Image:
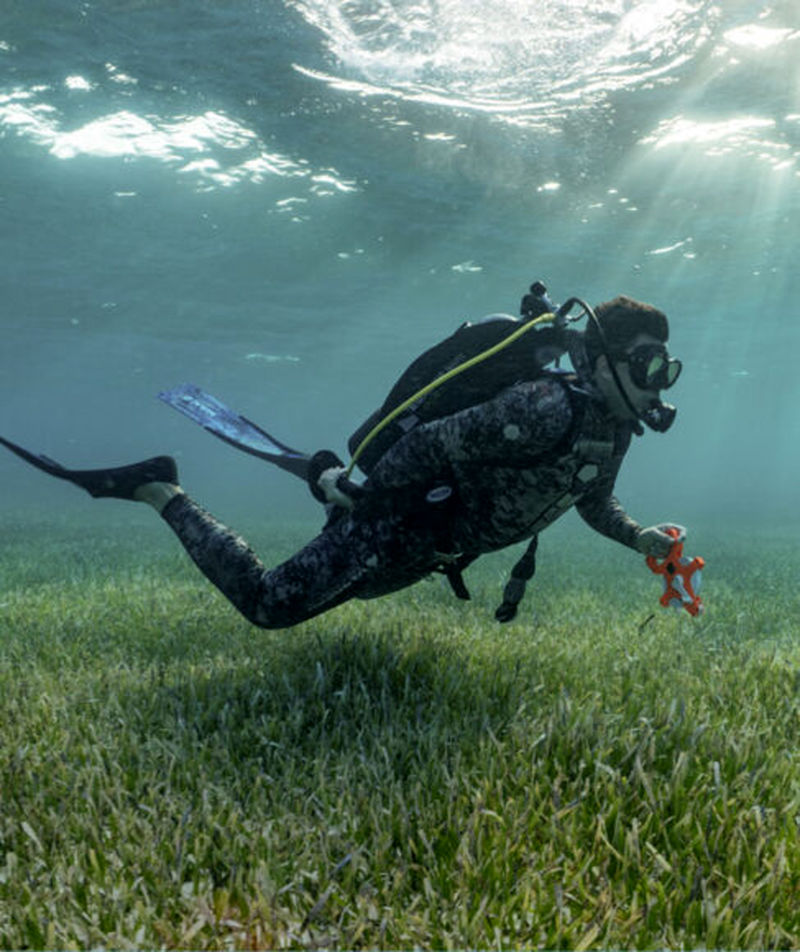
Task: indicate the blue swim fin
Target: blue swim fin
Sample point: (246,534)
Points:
(214,416)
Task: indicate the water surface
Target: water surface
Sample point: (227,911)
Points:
(285,201)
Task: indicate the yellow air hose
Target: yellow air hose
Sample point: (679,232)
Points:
(434,384)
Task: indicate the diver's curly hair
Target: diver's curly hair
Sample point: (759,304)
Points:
(621,320)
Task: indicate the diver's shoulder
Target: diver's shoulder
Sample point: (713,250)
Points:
(538,399)
(551,387)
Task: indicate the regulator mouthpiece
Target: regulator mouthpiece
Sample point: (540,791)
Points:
(659,416)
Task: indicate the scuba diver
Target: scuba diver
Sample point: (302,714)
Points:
(510,446)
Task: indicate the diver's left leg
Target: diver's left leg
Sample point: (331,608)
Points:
(323,574)
(350,558)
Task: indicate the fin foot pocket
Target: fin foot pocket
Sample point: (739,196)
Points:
(119,482)
(319,462)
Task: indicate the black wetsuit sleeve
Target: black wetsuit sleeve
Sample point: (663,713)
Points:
(515,428)
(600,509)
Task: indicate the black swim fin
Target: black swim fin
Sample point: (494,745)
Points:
(214,416)
(116,483)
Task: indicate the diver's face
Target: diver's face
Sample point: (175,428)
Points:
(644,362)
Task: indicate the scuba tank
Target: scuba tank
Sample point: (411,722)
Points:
(522,359)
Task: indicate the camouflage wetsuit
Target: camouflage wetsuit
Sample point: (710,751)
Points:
(514,465)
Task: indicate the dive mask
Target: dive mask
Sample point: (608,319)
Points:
(651,367)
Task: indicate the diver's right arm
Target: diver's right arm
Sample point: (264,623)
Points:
(515,428)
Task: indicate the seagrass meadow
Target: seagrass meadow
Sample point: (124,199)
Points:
(399,773)
(285,203)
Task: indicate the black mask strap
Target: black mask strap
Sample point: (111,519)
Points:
(615,376)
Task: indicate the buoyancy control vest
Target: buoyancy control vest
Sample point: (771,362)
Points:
(567,472)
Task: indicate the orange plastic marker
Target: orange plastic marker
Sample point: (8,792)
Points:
(681,575)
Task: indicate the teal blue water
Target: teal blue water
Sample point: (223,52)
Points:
(285,201)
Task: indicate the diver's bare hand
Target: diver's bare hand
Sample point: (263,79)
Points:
(656,541)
